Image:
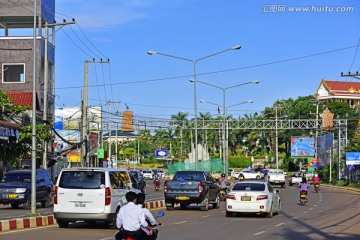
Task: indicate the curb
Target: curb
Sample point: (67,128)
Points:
(23,223)
(351,189)
(41,221)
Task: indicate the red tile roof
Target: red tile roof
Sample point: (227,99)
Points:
(342,88)
(23,98)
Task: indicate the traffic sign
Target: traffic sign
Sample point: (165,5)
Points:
(314,165)
(315,160)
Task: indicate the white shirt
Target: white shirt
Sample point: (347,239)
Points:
(149,216)
(131,217)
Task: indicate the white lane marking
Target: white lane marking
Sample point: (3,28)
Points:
(181,222)
(206,216)
(255,234)
(315,205)
(294,218)
(278,225)
(311,209)
(27,229)
(108,238)
(305,212)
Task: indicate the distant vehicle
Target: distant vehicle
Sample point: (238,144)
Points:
(148,174)
(309,176)
(276,177)
(15,188)
(192,187)
(249,174)
(295,179)
(160,173)
(253,197)
(140,180)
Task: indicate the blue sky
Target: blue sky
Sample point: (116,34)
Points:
(303,47)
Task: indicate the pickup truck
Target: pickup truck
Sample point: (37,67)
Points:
(192,187)
(276,177)
(295,179)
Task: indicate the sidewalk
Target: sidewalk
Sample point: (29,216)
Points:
(40,221)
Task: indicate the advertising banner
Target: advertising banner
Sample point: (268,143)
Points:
(302,146)
(352,158)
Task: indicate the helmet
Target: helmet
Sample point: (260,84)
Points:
(316,175)
(223,175)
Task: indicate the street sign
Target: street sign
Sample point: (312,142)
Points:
(161,153)
(314,160)
(314,165)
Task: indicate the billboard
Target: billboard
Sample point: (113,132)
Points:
(352,158)
(69,118)
(325,143)
(302,146)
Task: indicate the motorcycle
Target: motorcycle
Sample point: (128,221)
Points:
(303,197)
(155,231)
(222,194)
(317,187)
(157,185)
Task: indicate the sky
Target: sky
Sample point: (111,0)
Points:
(289,52)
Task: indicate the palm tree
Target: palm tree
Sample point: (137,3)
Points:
(179,118)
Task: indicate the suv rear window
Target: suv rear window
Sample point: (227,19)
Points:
(82,179)
(17,177)
(249,187)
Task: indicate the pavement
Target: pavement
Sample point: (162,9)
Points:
(40,221)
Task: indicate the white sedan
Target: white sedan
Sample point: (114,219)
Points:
(253,197)
(248,174)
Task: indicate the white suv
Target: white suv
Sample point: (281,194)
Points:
(148,174)
(91,194)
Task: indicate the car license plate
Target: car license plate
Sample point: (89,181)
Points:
(182,198)
(12,195)
(245,198)
(276,181)
(80,204)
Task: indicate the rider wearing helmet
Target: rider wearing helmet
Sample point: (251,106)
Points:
(316,179)
(156,181)
(304,186)
(222,182)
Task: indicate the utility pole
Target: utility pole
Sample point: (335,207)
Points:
(353,75)
(116,103)
(84,131)
(46,78)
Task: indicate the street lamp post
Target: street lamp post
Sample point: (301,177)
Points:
(225,154)
(194,62)
(225,141)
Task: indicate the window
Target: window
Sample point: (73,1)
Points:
(119,180)
(82,179)
(249,187)
(13,73)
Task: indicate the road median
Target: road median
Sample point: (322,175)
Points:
(41,221)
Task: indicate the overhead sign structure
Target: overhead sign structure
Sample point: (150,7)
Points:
(161,153)
(352,158)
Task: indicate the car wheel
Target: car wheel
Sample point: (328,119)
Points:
(257,177)
(63,223)
(290,184)
(270,214)
(27,204)
(14,205)
(144,191)
(46,203)
(228,214)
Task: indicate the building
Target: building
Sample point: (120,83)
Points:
(339,91)
(16,51)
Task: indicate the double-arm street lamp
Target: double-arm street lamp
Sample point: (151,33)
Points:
(194,62)
(224,113)
(226,130)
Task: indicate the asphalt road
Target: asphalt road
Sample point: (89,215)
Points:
(330,214)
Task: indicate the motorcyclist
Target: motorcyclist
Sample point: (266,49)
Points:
(304,186)
(316,180)
(156,181)
(222,182)
(148,215)
(131,220)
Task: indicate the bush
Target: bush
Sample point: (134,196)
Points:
(239,162)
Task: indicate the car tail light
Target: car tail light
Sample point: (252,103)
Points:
(262,197)
(55,195)
(107,196)
(165,187)
(231,197)
(268,177)
(200,188)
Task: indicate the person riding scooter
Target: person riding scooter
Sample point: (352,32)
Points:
(157,185)
(304,186)
(222,182)
(316,181)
